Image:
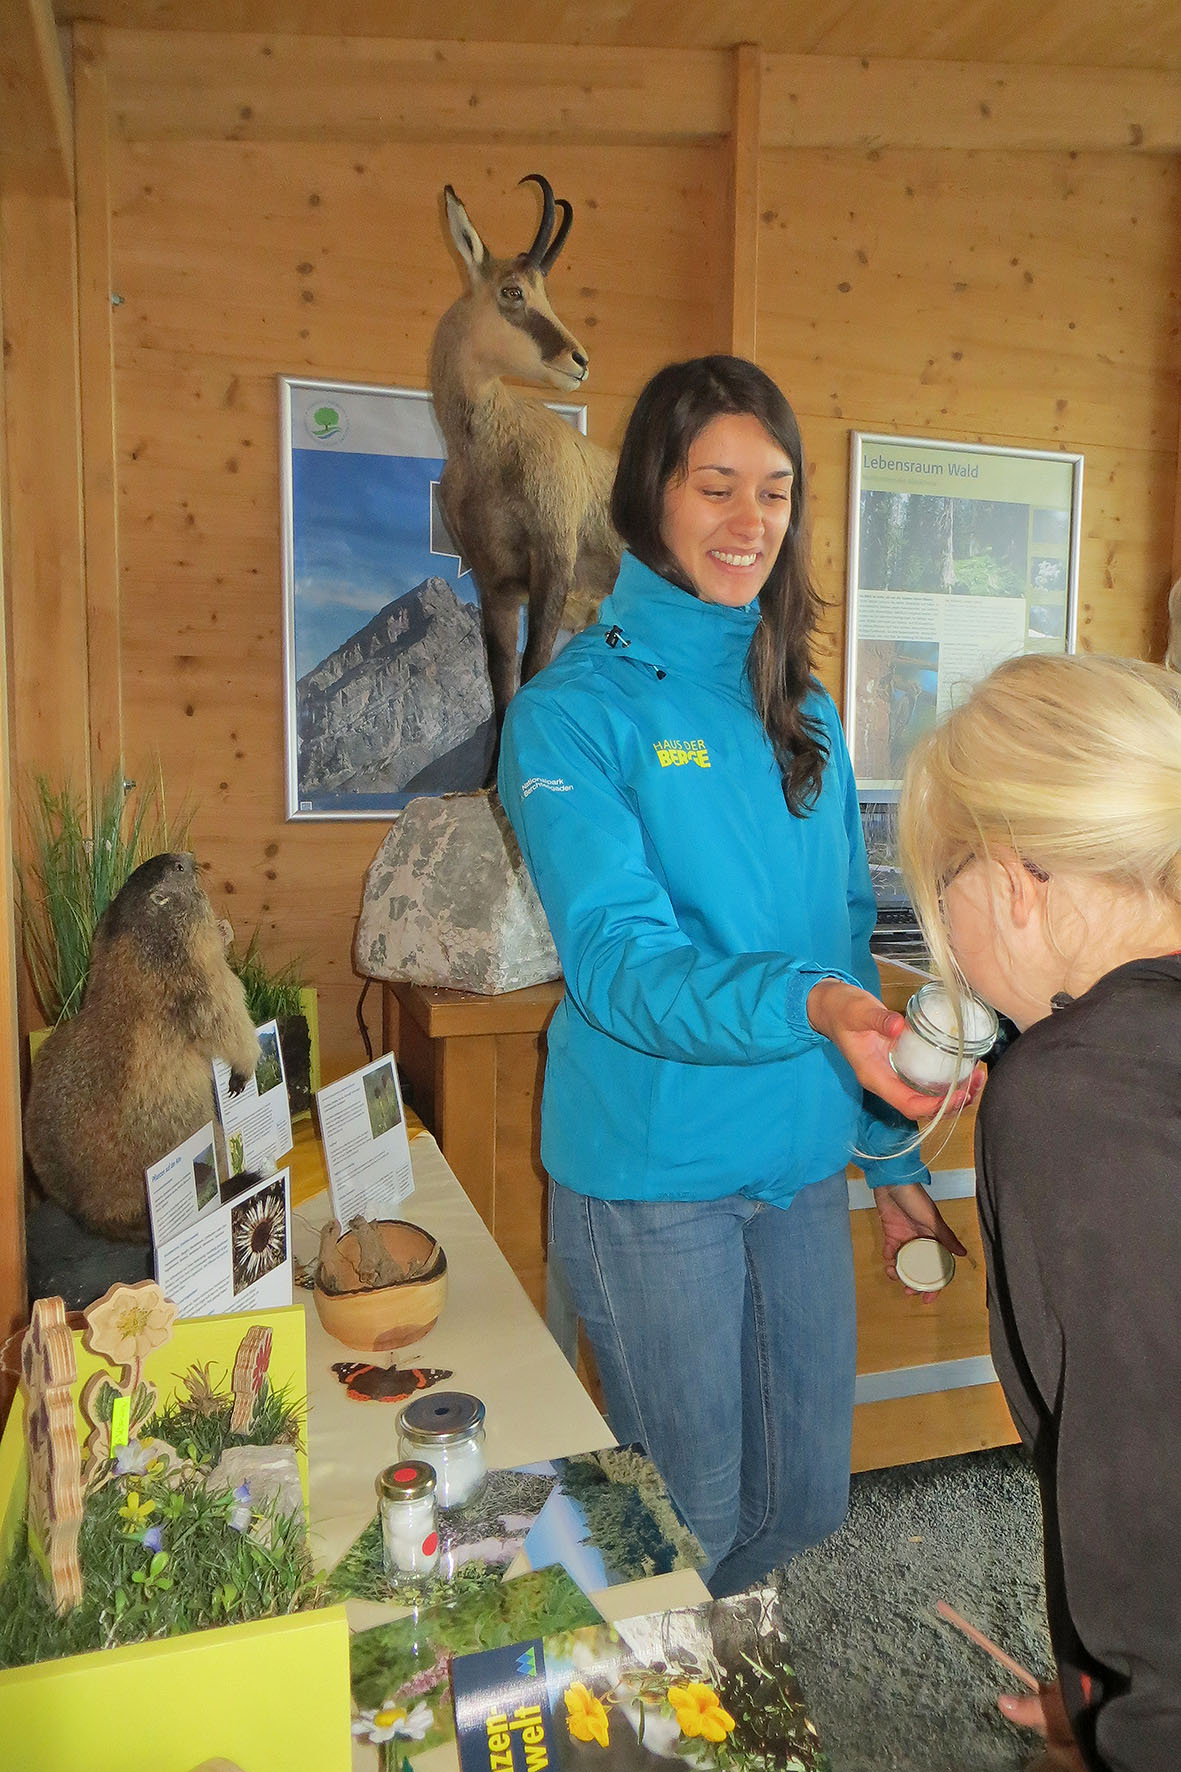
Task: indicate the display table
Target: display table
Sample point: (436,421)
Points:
(474,1065)
(496,1347)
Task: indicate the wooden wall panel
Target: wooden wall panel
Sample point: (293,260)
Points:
(238,261)
(1018,299)
(43,543)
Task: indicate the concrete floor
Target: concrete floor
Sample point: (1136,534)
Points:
(891,1687)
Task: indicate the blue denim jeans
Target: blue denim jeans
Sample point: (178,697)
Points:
(725,1336)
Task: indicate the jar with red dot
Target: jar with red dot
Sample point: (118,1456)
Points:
(409,1520)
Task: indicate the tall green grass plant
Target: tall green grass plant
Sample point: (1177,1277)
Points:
(76,858)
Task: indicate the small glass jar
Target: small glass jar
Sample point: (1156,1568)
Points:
(927,1054)
(409,1520)
(447,1431)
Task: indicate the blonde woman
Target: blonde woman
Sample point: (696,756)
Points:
(1041,834)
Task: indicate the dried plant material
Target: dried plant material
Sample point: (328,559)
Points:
(203,1396)
(375,1266)
(372,1266)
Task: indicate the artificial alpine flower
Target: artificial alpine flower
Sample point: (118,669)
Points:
(135,1511)
(138,1458)
(390,1720)
(153,1538)
(586,1716)
(699,1712)
(129,1321)
(240,1514)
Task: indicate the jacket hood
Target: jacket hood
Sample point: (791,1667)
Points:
(668,628)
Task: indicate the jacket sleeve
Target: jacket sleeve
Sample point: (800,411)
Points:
(883,1134)
(629,967)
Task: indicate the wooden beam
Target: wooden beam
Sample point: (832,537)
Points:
(170,85)
(12,1176)
(818,101)
(36,136)
(97,400)
(745,155)
(177,85)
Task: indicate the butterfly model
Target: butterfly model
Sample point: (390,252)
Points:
(385,1384)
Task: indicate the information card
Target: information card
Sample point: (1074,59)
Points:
(365,1142)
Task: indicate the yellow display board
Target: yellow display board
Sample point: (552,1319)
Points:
(269,1694)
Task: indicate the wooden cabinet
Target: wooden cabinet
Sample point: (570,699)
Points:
(473,1068)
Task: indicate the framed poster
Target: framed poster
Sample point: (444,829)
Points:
(386,686)
(960,555)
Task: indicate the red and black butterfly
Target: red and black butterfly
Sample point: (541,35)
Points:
(385,1384)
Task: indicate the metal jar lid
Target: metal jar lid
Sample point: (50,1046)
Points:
(442,1419)
(407,1481)
(930,1013)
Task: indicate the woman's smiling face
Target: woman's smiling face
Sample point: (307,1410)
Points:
(725,519)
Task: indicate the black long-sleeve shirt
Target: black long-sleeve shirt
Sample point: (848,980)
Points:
(1078,1158)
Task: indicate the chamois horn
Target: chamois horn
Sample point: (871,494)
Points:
(559,240)
(532,259)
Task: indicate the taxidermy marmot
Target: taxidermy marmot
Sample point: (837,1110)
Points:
(128,1079)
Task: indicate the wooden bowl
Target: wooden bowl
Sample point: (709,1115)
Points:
(390,1316)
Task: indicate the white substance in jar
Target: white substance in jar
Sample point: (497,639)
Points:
(446,1431)
(409,1520)
(926,1054)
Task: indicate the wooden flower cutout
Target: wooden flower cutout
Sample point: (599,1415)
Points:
(130,1322)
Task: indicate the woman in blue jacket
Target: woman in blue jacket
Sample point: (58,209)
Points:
(687,810)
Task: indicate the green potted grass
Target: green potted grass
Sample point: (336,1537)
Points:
(76,858)
(280,996)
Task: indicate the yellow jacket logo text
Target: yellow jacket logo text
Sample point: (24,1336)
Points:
(678,751)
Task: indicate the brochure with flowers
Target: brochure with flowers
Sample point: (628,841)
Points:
(399,1670)
(708,1686)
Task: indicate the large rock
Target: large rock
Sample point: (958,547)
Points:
(448,902)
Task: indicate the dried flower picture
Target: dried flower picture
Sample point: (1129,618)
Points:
(258,1236)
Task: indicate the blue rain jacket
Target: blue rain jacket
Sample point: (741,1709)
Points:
(692,914)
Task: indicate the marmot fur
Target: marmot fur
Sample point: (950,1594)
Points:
(128,1079)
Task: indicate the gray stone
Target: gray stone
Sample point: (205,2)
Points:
(448,902)
(271,1473)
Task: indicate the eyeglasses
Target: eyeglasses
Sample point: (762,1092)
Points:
(1031,867)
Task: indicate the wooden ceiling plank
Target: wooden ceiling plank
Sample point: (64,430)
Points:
(812,101)
(36,134)
(1146,33)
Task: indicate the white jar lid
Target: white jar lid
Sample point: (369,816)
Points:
(925,1265)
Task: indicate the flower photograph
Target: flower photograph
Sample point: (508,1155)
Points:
(258,1236)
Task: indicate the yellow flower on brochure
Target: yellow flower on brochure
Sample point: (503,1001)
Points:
(587,1716)
(699,1712)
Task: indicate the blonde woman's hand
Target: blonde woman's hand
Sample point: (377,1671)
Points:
(863,1030)
(908,1211)
(1045,1711)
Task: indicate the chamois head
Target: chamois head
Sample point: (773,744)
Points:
(511,328)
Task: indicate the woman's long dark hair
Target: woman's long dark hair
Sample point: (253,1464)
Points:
(672,411)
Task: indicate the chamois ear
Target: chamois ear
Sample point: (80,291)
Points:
(468,243)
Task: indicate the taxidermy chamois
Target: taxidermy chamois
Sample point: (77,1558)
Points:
(526,496)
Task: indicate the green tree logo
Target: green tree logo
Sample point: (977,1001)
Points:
(325,422)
